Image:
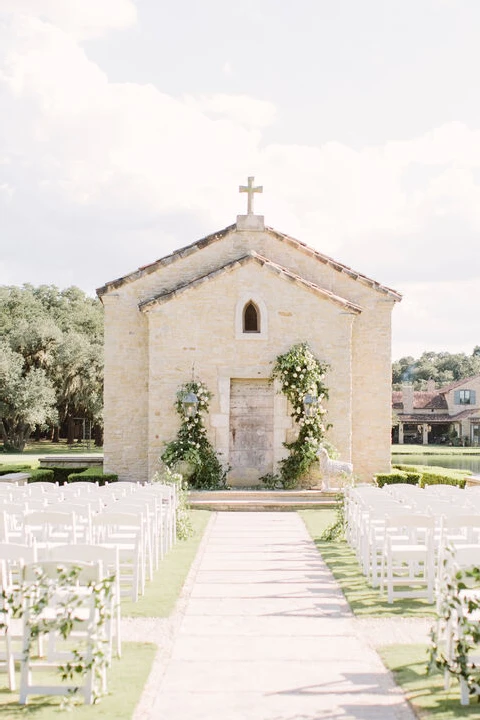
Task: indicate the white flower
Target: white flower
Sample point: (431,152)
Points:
(297,369)
(286,384)
(294,374)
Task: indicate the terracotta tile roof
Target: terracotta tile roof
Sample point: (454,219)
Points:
(151,267)
(458,383)
(424,418)
(432,419)
(209,239)
(422,400)
(249,257)
(336,265)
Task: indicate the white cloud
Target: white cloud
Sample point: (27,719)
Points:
(240,109)
(80,18)
(441,318)
(109,164)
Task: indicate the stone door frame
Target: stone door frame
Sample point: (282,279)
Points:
(282,422)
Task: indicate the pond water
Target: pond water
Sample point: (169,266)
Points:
(462,462)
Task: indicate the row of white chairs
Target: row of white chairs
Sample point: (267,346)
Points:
(456,619)
(140,520)
(397,534)
(126,527)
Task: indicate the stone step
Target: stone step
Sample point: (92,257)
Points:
(260,500)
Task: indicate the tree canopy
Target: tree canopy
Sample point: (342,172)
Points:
(51,359)
(442,367)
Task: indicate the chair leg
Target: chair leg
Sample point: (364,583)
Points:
(464,692)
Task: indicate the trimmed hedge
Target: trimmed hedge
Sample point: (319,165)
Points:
(437,479)
(41,475)
(93,474)
(435,475)
(397,476)
(436,469)
(60,474)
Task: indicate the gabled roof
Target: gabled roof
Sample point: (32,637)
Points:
(214,237)
(336,265)
(251,256)
(458,383)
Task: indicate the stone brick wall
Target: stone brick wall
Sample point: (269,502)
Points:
(150,353)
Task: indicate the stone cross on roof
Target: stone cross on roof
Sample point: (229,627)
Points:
(250,190)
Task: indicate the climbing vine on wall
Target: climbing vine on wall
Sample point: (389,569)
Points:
(191,445)
(300,373)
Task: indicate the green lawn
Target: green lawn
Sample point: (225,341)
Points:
(163,591)
(126,679)
(35,450)
(432,450)
(408,664)
(364,600)
(128,675)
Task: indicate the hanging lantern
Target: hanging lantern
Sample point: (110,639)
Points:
(190,404)
(310,404)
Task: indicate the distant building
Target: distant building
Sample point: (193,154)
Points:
(449,415)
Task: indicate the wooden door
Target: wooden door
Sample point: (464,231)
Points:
(251,430)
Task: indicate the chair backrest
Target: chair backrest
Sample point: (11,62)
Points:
(89,572)
(117,522)
(414,525)
(108,556)
(42,486)
(46,524)
(84,486)
(18,552)
(13,558)
(439,489)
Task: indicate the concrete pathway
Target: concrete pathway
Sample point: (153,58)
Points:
(266,634)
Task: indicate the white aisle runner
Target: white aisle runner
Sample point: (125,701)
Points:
(268,635)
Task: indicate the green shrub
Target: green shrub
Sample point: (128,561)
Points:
(446,472)
(439,479)
(41,475)
(413,473)
(92,474)
(391,478)
(7,469)
(60,474)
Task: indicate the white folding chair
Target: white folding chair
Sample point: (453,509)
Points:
(7,657)
(408,561)
(460,558)
(50,526)
(124,531)
(86,627)
(109,557)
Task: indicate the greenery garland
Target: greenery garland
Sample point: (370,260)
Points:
(300,373)
(37,595)
(452,604)
(182,513)
(192,445)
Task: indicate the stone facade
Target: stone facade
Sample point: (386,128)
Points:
(186,310)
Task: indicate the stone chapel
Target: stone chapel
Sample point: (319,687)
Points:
(224,307)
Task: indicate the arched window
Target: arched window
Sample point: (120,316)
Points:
(251,319)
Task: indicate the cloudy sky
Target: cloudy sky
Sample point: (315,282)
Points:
(126,127)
